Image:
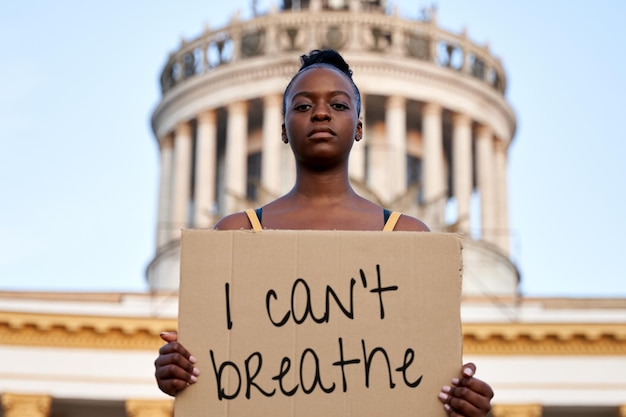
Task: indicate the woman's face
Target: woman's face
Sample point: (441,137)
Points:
(321,120)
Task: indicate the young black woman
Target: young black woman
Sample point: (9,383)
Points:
(321,108)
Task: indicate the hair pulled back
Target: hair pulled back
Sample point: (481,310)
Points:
(328,58)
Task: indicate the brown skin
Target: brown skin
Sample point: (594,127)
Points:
(321,125)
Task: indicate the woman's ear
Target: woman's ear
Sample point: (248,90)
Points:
(284,134)
(359,131)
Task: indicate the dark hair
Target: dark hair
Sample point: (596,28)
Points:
(328,58)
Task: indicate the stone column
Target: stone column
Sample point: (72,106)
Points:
(271,43)
(465,67)
(235,38)
(395,125)
(272,144)
(206,168)
(516,410)
(205,55)
(502,198)
(236,156)
(485,167)
(313,30)
(398,44)
(433,50)
(288,168)
(357,155)
(181,180)
(355,33)
(433,174)
(149,408)
(462,169)
(165,191)
(25,405)
(315,5)
(376,175)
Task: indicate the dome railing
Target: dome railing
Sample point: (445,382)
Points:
(295,32)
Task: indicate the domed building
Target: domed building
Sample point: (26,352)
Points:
(436,121)
(437,132)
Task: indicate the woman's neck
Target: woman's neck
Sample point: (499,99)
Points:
(329,187)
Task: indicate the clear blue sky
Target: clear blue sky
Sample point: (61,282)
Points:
(78,162)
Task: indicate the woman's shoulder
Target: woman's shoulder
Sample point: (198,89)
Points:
(240,221)
(235,221)
(408,223)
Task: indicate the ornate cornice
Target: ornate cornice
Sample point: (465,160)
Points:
(213,89)
(544,339)
(199,93)
(90,332)
(418,73)
(97,332)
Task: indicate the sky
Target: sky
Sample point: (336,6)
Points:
(79,162)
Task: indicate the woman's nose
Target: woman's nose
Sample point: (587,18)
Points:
(321,112)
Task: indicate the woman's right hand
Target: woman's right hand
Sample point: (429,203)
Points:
(175,367)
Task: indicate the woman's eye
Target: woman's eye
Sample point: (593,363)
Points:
(340,106)
(301,107)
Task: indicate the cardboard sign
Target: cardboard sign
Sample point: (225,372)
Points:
(319,323)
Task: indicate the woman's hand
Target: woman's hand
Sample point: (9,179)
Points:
(174,368)
(467,396)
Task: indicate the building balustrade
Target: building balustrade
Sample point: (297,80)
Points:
(297,31)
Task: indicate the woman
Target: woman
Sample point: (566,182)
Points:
(321,107)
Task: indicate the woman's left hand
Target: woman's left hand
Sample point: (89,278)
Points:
(467,396)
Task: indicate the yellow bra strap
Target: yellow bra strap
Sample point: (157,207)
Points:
(254,220)
(391,221)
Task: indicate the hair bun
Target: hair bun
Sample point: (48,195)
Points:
(327,57)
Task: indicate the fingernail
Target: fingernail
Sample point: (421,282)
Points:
(192,359)
(446,389)
(446,407)
(443,397)
(195,372)
(455,381)
(193,379)
(468,372)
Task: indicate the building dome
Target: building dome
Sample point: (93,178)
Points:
(437,127)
